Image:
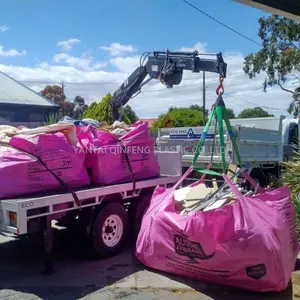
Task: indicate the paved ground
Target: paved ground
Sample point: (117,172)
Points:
(80,276)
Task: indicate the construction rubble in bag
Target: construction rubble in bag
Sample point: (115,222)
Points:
(119,153)
(40,159)
(224,235)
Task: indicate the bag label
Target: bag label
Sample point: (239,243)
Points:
(185,247)
(256,272)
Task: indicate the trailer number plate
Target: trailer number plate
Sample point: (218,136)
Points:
(34,204)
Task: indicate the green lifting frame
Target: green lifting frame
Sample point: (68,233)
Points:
(218,112)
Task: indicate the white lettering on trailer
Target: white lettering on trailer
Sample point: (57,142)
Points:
(33,204)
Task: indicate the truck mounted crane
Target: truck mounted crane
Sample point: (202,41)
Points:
(167,67)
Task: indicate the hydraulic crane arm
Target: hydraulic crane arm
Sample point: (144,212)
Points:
(167,67)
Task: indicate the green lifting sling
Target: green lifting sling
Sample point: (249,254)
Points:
(218,112)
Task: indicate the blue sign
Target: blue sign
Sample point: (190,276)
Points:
(188,134)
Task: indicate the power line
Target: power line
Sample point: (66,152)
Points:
(233,30)
(119,83)
(114,83)
(65,82)
(187,85)
(196,86)
(253,103)
(249,102)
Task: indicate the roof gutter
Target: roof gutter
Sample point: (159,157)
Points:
(270,9)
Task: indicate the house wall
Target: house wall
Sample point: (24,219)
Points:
(23,113)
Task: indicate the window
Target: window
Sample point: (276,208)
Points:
(34,117)
(5,116)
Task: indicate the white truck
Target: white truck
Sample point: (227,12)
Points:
(263,143)
(106,213)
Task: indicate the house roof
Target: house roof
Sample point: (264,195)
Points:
(149,121)
(286,8)
(14,93)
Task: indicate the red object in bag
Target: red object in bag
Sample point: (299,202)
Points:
(250,244)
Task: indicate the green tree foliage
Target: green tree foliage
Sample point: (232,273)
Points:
(129,115)
(198,107)
(279,56)
(102,111)
(54,93)
(230,112)
(73,109)
(256,112)
(180,117)
(291,177)
(185,117)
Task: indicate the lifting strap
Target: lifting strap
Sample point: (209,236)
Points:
(62,183)
(220,113)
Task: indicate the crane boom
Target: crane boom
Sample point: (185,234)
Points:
(168,68)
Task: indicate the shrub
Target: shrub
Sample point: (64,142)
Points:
(291,177)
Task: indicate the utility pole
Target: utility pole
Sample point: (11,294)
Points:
(204,94)
(62,95)
(63,87)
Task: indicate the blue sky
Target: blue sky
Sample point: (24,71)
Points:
(30,49)
(37,26)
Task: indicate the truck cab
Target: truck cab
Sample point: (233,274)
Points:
(290,137)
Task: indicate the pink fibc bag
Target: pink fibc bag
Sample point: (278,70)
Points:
(111,160)
(21,173)
(250,244)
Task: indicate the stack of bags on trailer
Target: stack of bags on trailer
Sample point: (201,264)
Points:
(119,153)
(36,160)
(51,158)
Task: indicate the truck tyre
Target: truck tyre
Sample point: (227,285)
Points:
(110,230)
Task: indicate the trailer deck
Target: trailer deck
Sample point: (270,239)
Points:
(16,213)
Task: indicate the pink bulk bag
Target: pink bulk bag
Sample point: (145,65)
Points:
(21,173)
(249,244)
(111,160)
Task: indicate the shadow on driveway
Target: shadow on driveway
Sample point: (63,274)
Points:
(78,273)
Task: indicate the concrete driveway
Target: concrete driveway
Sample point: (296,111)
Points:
(81,276)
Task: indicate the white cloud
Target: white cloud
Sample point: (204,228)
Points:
(82,63)
(125,64)
(11,52)
(77,62)
(4,28)
(92,82)
(116,49)
(67,45)
(99,65)
(200,47)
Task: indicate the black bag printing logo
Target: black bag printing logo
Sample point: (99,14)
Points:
(257,271)
(183,246)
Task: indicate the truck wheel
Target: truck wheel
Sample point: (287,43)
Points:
(110,230)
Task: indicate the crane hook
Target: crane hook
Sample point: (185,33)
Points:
(220,88)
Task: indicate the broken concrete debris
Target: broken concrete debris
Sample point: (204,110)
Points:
(199,197)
